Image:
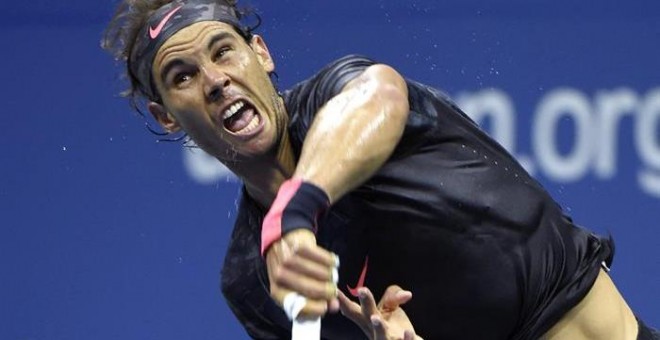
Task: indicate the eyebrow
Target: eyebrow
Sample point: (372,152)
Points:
(218,37)
(176,62)
(170,65)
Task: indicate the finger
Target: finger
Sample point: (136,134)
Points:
(353,312)
(314,309)
(393,297)
(333,305)
(349,308)
(319,255)
(298,307)
(309,268)
(379,328)
(408,335)
(367,303)
(308,287)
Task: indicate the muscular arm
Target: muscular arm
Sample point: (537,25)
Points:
(350,138)
(355,132)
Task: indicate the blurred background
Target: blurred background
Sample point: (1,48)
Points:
(108,234)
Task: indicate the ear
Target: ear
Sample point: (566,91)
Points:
(166,119)
(259,47)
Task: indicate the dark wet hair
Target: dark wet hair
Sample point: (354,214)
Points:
(130,18)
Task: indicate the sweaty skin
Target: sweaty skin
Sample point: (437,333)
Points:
(365,122)
(208,76)
(355,132)
(194,65)
(205,68)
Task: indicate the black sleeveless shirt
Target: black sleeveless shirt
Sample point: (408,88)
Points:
(451,216)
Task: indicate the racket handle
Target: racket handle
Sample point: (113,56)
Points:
(306,329)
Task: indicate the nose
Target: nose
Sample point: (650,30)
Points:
(215,83)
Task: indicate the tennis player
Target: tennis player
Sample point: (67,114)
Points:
(357,177)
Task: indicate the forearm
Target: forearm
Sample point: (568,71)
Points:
(355,133)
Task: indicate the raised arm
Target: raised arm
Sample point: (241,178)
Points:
(355,132)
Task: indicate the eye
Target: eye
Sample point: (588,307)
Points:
(182,77)
(220,53)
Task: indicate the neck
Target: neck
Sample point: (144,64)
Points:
(262,185)
(263,175)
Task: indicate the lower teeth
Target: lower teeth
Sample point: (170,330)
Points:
(253,124)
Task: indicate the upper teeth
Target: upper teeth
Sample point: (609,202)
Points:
(233,109)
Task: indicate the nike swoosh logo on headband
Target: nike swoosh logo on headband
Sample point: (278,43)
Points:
(360,283)
(154,32)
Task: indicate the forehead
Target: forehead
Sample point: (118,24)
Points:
(193,38)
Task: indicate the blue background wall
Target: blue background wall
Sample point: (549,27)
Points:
(106,234)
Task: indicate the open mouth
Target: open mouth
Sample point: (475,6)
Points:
(241,118)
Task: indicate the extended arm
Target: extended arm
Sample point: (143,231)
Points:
(350,138)
(355,132)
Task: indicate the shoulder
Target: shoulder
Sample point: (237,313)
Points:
(329,80)
(304,99)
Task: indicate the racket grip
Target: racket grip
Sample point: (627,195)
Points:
(306,329)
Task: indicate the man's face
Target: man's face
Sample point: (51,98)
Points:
(216,88)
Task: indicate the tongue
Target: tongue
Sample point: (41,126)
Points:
(240,120)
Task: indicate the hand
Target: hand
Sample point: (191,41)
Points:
(385,321)
(296,264)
